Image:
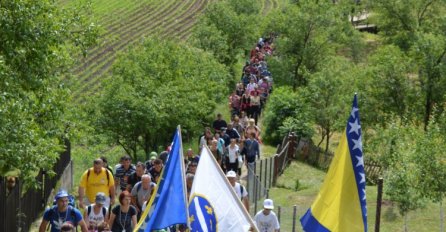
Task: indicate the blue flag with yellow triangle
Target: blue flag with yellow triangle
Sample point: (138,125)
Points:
(341,203)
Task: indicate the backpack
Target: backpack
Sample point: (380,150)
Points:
(72,214)
(106,171)
(104,211)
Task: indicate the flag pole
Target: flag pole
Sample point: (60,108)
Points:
(232,191)
(183,175)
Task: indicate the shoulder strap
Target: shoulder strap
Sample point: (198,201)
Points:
(104,211)
(88,210)
(88,174)
(108,177)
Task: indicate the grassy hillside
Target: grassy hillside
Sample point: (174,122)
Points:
(126,22)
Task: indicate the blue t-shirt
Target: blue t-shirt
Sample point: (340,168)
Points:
(57,219)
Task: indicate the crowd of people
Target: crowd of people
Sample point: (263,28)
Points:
(234,145)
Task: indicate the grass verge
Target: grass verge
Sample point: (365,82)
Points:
(300,184)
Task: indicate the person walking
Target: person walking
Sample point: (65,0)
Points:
(94,180)
(141,192)
(123,172)
(123,216)
(251,151)
(95,214)
(239,189)
(60,214)
(266,219)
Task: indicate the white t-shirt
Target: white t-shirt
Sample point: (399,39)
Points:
(96,219)
(238,191)
(232,153)
(266,223)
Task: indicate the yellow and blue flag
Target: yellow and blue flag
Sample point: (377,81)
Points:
(341,203)
(168,206)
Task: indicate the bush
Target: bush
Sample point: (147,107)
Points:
(286,111)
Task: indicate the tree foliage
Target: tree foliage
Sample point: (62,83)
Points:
(286,111)
(309,33)
(388,88)
(227,29)
(328,94)
(37,40)
(418,28)
(155,87)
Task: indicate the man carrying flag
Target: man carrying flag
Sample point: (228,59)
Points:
(168,206)
(213,205)
(341,203)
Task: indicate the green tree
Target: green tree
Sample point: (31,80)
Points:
(396,146)
(155,87)
(286,111)
(431,161)
(227,29)
(388,88)
(37,41)
(328,98)
(310,32)
(417,27)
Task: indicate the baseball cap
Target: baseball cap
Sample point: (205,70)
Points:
(60,194)
(100,198)
(231,174)
(268,204)
(153,154)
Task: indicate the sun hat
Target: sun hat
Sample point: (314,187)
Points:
(268,204)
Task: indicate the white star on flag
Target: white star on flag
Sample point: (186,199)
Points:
(362,178)
(354,127)
(360,161)
(354,109)
(358,143)
(363,190)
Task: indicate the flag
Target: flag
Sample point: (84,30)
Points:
(168,206)
(341,202)
(213,203)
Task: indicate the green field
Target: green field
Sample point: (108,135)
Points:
(124,23)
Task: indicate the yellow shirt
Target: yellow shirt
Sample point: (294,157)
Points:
(96,183)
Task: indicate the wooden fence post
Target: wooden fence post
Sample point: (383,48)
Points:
(294,217)
(378,204)
(276,167)
(266,174)
(271,159)
(261,169)
(291,145)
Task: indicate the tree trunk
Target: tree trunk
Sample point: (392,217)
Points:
(322,139)
(441,217)
(428,104)
(405,222)
(327,144)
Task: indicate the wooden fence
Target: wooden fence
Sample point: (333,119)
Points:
(19,209)
(310,153)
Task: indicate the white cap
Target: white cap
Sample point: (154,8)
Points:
(231,174)
(268,204)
